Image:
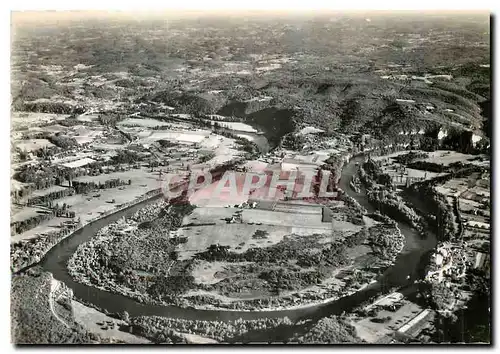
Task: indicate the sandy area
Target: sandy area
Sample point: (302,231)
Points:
(410,172)
(87,117)
(310,130)
(255,165)
(84,139)
(246,136)
(389,156)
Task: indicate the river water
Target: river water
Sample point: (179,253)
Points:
(407,263)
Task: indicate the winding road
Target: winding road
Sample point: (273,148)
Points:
(53,296)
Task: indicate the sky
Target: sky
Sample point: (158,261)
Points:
(254,4)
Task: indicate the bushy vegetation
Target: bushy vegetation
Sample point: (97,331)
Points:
(63,141)
(330,330)
(409,157)
(171,286)
(126,156)
(271,263)
(205,158)
(41,176)
(47,107)
(53,211)
(141,260)
(27,252)
(187,102)
(287,249)
(84,187)
(293,142)
(381,194)
(386,241)
(32,319)
(48,198)
(161,329)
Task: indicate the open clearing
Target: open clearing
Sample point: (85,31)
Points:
(446,157)
(284,219)
(45,227)
(33,144)
(25,213)
(89,317)
(146,122)
(242,127)
(206,226)
(21,120)
(90,206)
(219,195)
(372,331)
(237,236)
(212,272)
(207,215)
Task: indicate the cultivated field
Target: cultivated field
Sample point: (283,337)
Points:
(33,144)
(445,157)
(284,219)
(237,236)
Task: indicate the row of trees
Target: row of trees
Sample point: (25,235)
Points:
(85,187)
(384,197)
(63,141)
(47,107)
(125,156)
(156,327)
(25,253)
(330,330)
(46,199)
(283,279)
(165,288)
(32,222)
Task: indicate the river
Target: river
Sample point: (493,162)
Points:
(407,263)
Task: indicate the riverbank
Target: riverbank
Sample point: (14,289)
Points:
(43,245)
(104,326)
(88,272)
(162,330)
(115,303)
(87,267)
(381,192)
